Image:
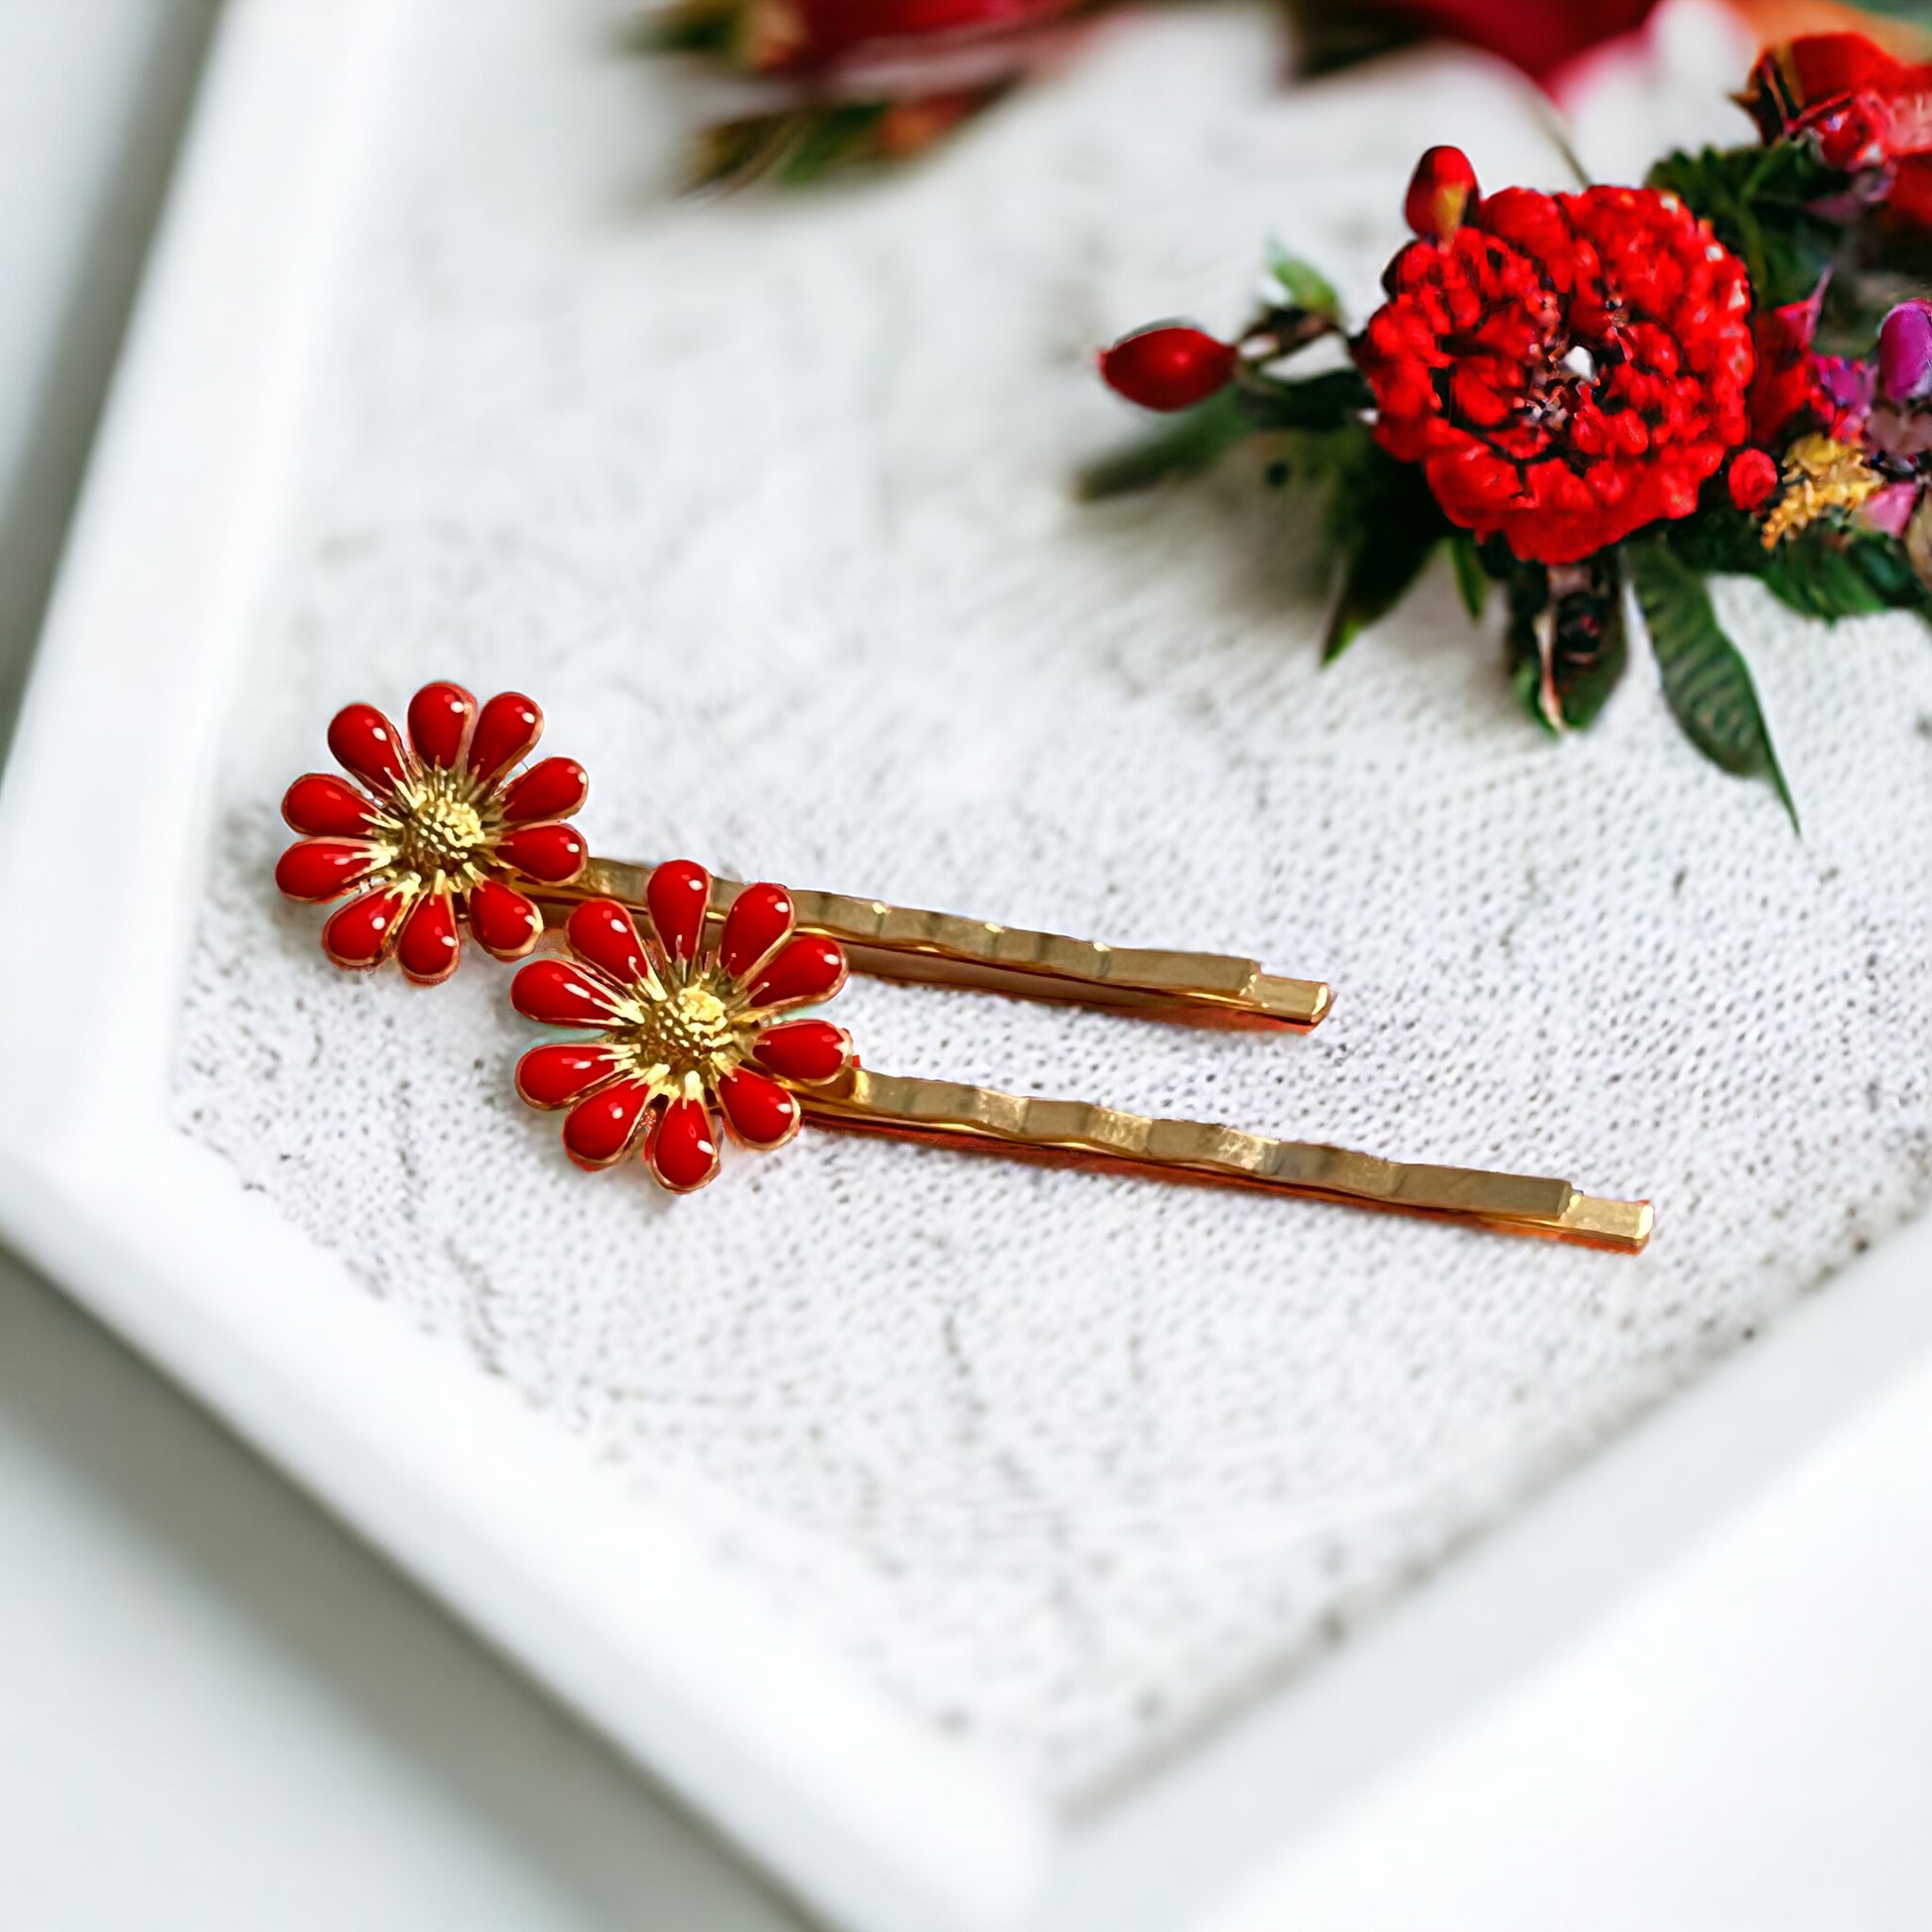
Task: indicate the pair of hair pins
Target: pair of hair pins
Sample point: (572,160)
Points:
(683,992)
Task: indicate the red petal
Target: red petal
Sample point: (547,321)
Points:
(506,923)
(599,1131)
(809,1051)
(315,869)
(601,931)
(683,1149)
(810,968)
(554,1076)
(431,945)
(362,934)
(510,726)
(327,807)
(555,854)
(759,922)
(553,789)
(678,894)
(559,994)
(440,717)
(365,743)
(758,1111)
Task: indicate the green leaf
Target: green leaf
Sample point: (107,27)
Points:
(1471,579)
(1833,573)
(1303,284)
(1185,444)
(1759,200)
(827,138)
(1386,525)
(1327,401)
(1705,681)
(1820,577)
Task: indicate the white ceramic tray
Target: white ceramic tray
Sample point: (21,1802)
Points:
(1516,1686)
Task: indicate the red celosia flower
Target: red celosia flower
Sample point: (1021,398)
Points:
(438,833)
(1864,110)
(1566,367)
(683,1031)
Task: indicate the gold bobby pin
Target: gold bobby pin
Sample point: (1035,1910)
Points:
(897,942)
(687,1021)
(444,831)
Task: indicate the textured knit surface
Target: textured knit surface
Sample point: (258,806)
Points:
(765,501)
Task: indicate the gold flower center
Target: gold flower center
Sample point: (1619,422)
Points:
(440,829)
(687,1030)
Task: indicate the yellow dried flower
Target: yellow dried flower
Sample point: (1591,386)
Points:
(1821,474)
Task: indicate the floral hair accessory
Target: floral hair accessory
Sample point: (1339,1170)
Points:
(434,833)
(685,1029)
(443,831)
(1637,388)
(683,989)
(685,1038)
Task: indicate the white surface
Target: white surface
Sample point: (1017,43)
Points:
(216,1712)
(759,499)
(391,1428)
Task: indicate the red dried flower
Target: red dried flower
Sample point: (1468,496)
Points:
(1172,365)
(1860,107)
(436,834)
(1566,367)
(683,1031)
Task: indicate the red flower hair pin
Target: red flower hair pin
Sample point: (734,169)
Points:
(436,834)
(439,833)
(686,994)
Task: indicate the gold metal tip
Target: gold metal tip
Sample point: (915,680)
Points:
(898,942)
(949,1114)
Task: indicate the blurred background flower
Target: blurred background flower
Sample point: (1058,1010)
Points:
(844,83)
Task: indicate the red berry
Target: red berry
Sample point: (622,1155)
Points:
(1170,366)
(1752,479)
(1440,193)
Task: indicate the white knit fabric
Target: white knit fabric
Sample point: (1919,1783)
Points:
(766,501)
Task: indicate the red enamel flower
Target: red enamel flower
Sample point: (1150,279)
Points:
(683,1031)
(436,834)
(1566,367)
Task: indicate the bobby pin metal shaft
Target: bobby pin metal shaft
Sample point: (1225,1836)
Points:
(948,1114)
(896,943)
